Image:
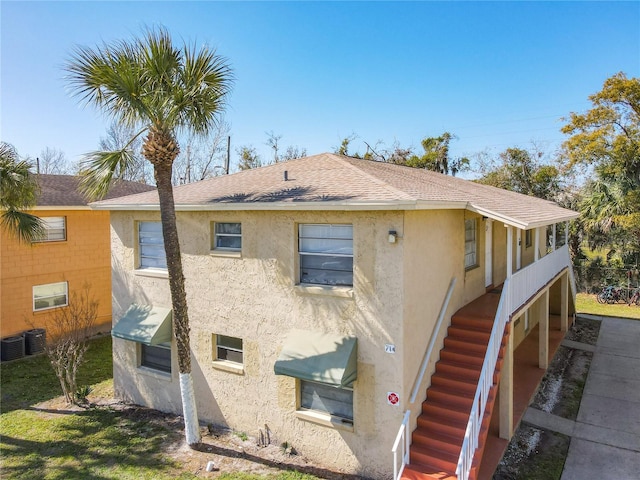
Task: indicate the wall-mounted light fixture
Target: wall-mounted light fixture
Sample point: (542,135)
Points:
(393,236)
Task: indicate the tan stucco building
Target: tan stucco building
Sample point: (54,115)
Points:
(314,287)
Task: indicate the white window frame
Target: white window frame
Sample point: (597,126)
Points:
(320,388)
(51,298)
(156,240)
(221,351)
(336,235)
(156,368)
(470,243)
(221,235)
(528,236)
(55,230)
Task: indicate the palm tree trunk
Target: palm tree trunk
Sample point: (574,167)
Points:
(179,301)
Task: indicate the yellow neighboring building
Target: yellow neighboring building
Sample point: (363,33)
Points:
(38,278)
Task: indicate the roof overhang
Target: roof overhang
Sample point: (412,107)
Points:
(565,217)
(295,206)
(60,207)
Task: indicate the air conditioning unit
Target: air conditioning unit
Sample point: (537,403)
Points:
(12,348)
(35,340)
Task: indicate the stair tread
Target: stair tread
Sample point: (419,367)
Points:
(459,364)
(434,402)
(439,436)
(467,340)
(429,430)
(467,395)
(419,471)
(471,328)
(437,453)
(456,368)
(454,378)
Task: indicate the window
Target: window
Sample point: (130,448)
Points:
(470,244)
(227,236)
(156,357)
(336,402)
(151,245)
(50,296)
(326,254)
(54,229)
(527,238)
(228,349)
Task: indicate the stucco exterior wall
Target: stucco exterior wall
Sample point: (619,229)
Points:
(499,253)
(433,246)
(255,296)
(83,257)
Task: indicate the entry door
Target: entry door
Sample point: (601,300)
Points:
(488,252)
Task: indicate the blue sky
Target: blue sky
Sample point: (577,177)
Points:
(497,75)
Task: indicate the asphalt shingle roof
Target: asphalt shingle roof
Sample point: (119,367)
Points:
(62,190)
(330,181)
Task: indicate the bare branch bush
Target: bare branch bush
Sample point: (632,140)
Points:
(68,334)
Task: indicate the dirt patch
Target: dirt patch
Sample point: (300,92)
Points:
(228,450)
(561,387)
(538,454)
(584,330)
(533,454)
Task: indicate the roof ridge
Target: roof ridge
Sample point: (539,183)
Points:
(345,159)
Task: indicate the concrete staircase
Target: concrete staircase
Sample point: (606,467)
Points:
(437,440)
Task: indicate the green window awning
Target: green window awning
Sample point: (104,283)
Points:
(144,324)
(319,357)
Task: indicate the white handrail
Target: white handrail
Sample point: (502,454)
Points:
(472,433)
(516,291)
(402,439)
(434,335)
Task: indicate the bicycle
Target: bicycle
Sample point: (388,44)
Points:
(611,294)
(634,297)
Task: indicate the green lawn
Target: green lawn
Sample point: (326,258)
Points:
(586,303)
(97,443)
(92,443)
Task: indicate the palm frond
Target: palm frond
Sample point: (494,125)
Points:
(149,82)
(99,169)
(26,227)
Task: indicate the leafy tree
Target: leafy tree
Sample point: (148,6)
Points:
(18,192)
(159,89)
(519,170)
(436,156)
(607,138)
(292,152)
(249,158)
(343,148)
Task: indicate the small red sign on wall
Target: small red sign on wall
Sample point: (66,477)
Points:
(393,399)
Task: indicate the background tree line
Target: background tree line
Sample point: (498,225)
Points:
(596,171)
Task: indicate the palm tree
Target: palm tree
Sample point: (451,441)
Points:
(18,191)
(160,90)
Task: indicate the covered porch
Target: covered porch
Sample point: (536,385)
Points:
(527,377)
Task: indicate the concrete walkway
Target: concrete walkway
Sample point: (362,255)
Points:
(605,438)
